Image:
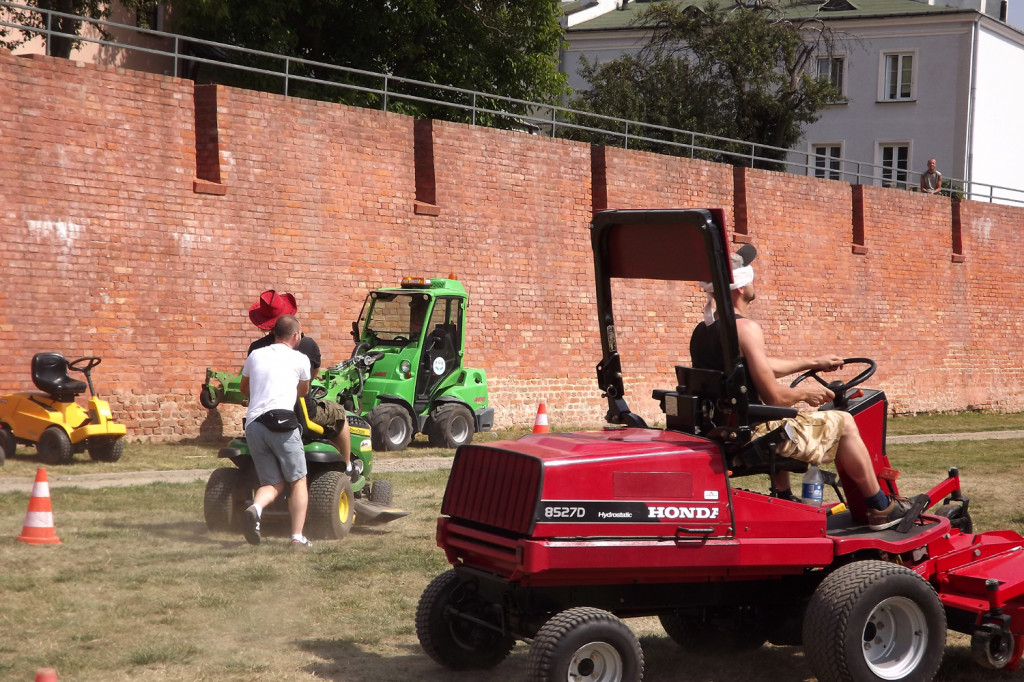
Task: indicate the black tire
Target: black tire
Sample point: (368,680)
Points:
(54,446)
(8,444)
(208,401)
(994,652)
(451,426)
(330,514)
(959,518)
(873,620)
(585,643)
(716,631)
(457,643)
(103,449)
(390,427)
(222,500)
(380,493)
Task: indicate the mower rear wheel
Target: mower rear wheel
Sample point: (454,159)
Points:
(454,641)
(874,620)
(959,518)
(222,499)
(390,427)
(8,444)
(716,631)
(105,449)
(330,514)
(380,493)
(585,643)
(451,426)
(54,446)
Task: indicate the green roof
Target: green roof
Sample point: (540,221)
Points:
(845,9)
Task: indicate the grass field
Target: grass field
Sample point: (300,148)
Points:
(139,590)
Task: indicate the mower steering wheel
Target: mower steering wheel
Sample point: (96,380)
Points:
(359,348)
(840,388)
(318,392)
(90,362)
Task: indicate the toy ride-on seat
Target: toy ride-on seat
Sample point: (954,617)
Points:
(50,375)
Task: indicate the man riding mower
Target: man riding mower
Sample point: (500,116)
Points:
(53,422)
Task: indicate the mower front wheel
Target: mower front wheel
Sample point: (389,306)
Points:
(380,493)
(210,396)
(330,514)
(457,628)
(390,427)
(54,446)
(874,620)
(959,517)
(716,631)
(105,449)
(452,426)
(585,643)
(222,498)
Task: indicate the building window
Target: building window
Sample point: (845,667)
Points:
(831,68)
(895,165)
(898,77)
(826,161)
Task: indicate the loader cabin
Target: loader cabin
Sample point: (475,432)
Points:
(676,245)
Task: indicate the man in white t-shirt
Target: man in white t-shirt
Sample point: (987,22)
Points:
(274,378)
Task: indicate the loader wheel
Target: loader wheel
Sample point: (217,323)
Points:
(54,446)
(452,426)
(585,643)
(380,493)
(390,427)
(958,516)
(722,631)
(873,620)
(8,445)
(450,624)
(223,498)
(105,449)
(330,514)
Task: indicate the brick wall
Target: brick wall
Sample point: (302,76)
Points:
(141,216)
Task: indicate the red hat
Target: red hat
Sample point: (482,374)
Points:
(272,305)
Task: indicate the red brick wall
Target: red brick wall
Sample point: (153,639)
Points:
(141,217)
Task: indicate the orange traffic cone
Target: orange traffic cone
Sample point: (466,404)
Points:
(46,675)
(541,424)
(38,528)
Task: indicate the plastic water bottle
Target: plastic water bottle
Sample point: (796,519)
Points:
(813,486)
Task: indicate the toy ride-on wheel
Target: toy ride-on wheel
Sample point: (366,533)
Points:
(54,446)
(390,427)
(105,449)
(223,499)
(331,512)
(451,426)
(457,628)
(874,620)
(839,388)
(725,630)
(585,643)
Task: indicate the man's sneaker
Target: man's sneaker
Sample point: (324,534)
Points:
(787,495)
(880,519)
(252,526)
(302,541)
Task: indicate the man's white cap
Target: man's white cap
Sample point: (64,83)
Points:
(741,277)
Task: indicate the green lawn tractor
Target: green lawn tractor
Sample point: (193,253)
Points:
(406,374)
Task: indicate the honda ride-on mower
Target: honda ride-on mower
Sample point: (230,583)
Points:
(555,538)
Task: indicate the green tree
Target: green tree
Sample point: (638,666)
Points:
(740,71)
(62,41)
(505,47)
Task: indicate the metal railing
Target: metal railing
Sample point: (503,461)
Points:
(186,56)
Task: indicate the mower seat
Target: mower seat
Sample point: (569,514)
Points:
(50,375)
(309,430)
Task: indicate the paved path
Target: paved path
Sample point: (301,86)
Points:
(383,466)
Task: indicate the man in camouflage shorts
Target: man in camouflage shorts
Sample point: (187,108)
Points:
(816,437)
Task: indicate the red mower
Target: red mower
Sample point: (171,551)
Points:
(555,538)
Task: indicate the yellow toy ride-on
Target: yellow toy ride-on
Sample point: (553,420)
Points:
(53,422)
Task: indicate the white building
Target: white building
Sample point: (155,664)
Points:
(919,80)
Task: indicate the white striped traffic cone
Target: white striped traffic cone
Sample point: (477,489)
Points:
(38,528)
(541,423)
